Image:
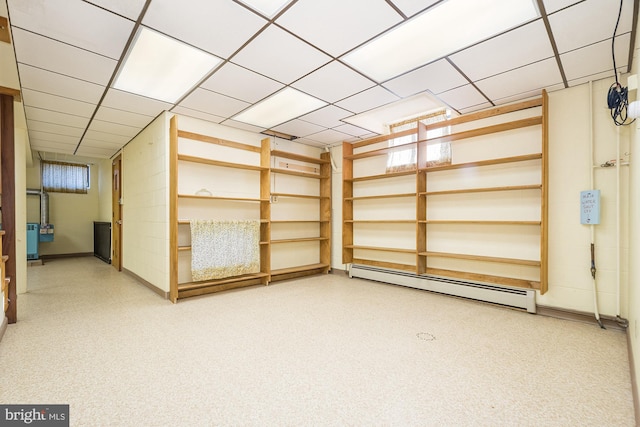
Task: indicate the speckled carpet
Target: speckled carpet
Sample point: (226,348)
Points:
(325,350)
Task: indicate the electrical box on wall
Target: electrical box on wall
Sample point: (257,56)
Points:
(590,207)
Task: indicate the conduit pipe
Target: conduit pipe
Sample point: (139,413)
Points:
(592,226)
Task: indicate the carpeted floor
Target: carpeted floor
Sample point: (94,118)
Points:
(325,350)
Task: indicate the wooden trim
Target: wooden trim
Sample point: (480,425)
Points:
(489,162)
(492,112)
(502,127)
(483,190)
(301,221)
(296,173)
(151,286)
(237,199)
(381,221)
(14,93)
(347,204)
(544,210)
(498,280)
(8,191)
(300,239)
(454,221)
(298,196)
(213,283)
(213,140)
(173,209)
(385,264)
(212,162)
(515,261)
(299,271)
(213,288)
(294,156)
(381,138)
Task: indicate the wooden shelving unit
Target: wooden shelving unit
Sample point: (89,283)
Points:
(4,281)
(323,198)
(187,289)
(425,197)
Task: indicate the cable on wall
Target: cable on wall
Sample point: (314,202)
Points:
(617,98)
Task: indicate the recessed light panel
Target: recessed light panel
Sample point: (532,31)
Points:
(442,30)
(279,108)
(162,68)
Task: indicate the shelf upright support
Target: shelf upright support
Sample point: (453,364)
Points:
(325,211)
(421,200)
(173,209)
(544,214)
(347,203)
(265,210)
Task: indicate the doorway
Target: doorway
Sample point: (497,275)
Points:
(116,208)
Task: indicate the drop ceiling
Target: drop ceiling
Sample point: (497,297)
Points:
(68,53)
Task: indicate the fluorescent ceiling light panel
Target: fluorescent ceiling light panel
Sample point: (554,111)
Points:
(267,7)
(162,68)
(279,108)
(440,31)
(378,119)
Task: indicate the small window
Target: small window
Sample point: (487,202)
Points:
(437,153)
(60,177)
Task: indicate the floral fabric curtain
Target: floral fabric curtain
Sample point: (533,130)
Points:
(63,177)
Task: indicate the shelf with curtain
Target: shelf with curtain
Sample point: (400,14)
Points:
(301,215)
(219,234)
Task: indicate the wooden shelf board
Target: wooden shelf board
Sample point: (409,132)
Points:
(482,190)
(383,249)
(198,285)
(382,196)
(298,269)
(498,280)
(294,156)
(297,221)
(212,140)
(382,176)
(237,199)
(299,196)
(385,264)
(447,221)
(489,162)
(301,239)
(502,127)
(380,221)
(382,138)
(188,222)
(515,261)
(296,173)
(201,160)
(381,151)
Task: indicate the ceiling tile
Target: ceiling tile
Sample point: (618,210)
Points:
(114,128)
(322,83)
(107,137)
(102,153)
(367,100)
(61,58)
(329,116)
(128,8)
(213,103)
(306,141)
(522,46)
(328,137)
(240,83)
(48,116)
(532,77)
(352,130)
(336,26)
(122,117)
(596,58)
(57,147)
(411,7)
(55,128)
(298,128)
(554,5)
(58,84)
(196,114)
(135,103)
(535,93)
(53,137)
(74,22)
(437,77)
(568,25)
(94,143)
(272,54)
(592,77)
(57,103)
(220,27)
(244,126)
(462,97)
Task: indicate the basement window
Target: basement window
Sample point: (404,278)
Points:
(61,177)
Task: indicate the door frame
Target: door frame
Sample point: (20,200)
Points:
(116,212)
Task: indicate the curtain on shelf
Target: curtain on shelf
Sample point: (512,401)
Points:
(222,249)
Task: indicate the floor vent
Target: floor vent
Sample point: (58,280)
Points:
(504,295)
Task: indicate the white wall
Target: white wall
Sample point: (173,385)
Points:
(145,210)
(104,190)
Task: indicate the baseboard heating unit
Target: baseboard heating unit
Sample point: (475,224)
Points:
(509,296)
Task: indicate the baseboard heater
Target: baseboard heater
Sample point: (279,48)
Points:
(503,295)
